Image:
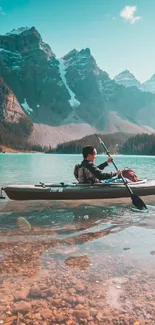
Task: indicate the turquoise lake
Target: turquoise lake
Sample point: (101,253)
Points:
(78,262)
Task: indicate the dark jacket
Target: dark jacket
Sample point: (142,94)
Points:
(89,173)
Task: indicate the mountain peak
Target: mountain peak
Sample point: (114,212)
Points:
(25,39)
(21,30)
(17,31)
(149,85)
(153,77)
(126,70)
(75,53)
(80,59)
(125,75)
(127,79)
(72,54)
(86,51)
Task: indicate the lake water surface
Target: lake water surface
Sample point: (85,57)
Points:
(81,262)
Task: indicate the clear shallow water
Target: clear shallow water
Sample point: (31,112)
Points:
(104,253)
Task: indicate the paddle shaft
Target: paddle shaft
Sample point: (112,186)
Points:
(107,152)
(136,200)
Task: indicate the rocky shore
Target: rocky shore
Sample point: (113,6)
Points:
(71,281)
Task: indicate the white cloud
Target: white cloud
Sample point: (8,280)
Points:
(129,14)
(1,11)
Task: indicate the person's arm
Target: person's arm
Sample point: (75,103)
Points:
(106,163)
(103,165)
(98,172)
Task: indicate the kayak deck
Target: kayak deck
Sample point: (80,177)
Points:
(62,191)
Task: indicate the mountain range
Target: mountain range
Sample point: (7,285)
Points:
(68,98)
(127,79)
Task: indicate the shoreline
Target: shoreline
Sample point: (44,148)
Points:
(5,149)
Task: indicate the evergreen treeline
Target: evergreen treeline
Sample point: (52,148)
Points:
(14,135)
(112,141)
(140,144)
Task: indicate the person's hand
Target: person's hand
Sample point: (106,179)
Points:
(109,160)
(118,172)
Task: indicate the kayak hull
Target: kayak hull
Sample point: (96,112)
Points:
(76,191)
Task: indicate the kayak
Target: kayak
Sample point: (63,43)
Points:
(75,191)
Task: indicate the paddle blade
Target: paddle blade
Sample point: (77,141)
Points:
(137,201)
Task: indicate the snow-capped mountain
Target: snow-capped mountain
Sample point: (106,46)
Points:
(26,39)
(31,70)
(149,85)
(71,89)
(126,78)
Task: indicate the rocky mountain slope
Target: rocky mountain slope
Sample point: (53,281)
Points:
(10,110)
(15,126)
(51,136)
(71,94)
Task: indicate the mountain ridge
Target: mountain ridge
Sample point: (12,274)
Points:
(72,90)
(126,78)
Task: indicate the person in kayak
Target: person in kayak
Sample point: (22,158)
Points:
(87,172)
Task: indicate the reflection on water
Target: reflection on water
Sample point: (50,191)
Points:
(80,263)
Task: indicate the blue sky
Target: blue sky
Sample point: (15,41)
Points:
(120,33)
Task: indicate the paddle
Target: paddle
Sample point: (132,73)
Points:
(136,200)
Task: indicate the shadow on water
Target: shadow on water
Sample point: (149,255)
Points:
(81,215)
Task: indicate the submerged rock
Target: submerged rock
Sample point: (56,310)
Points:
(78,261)
(23,224)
